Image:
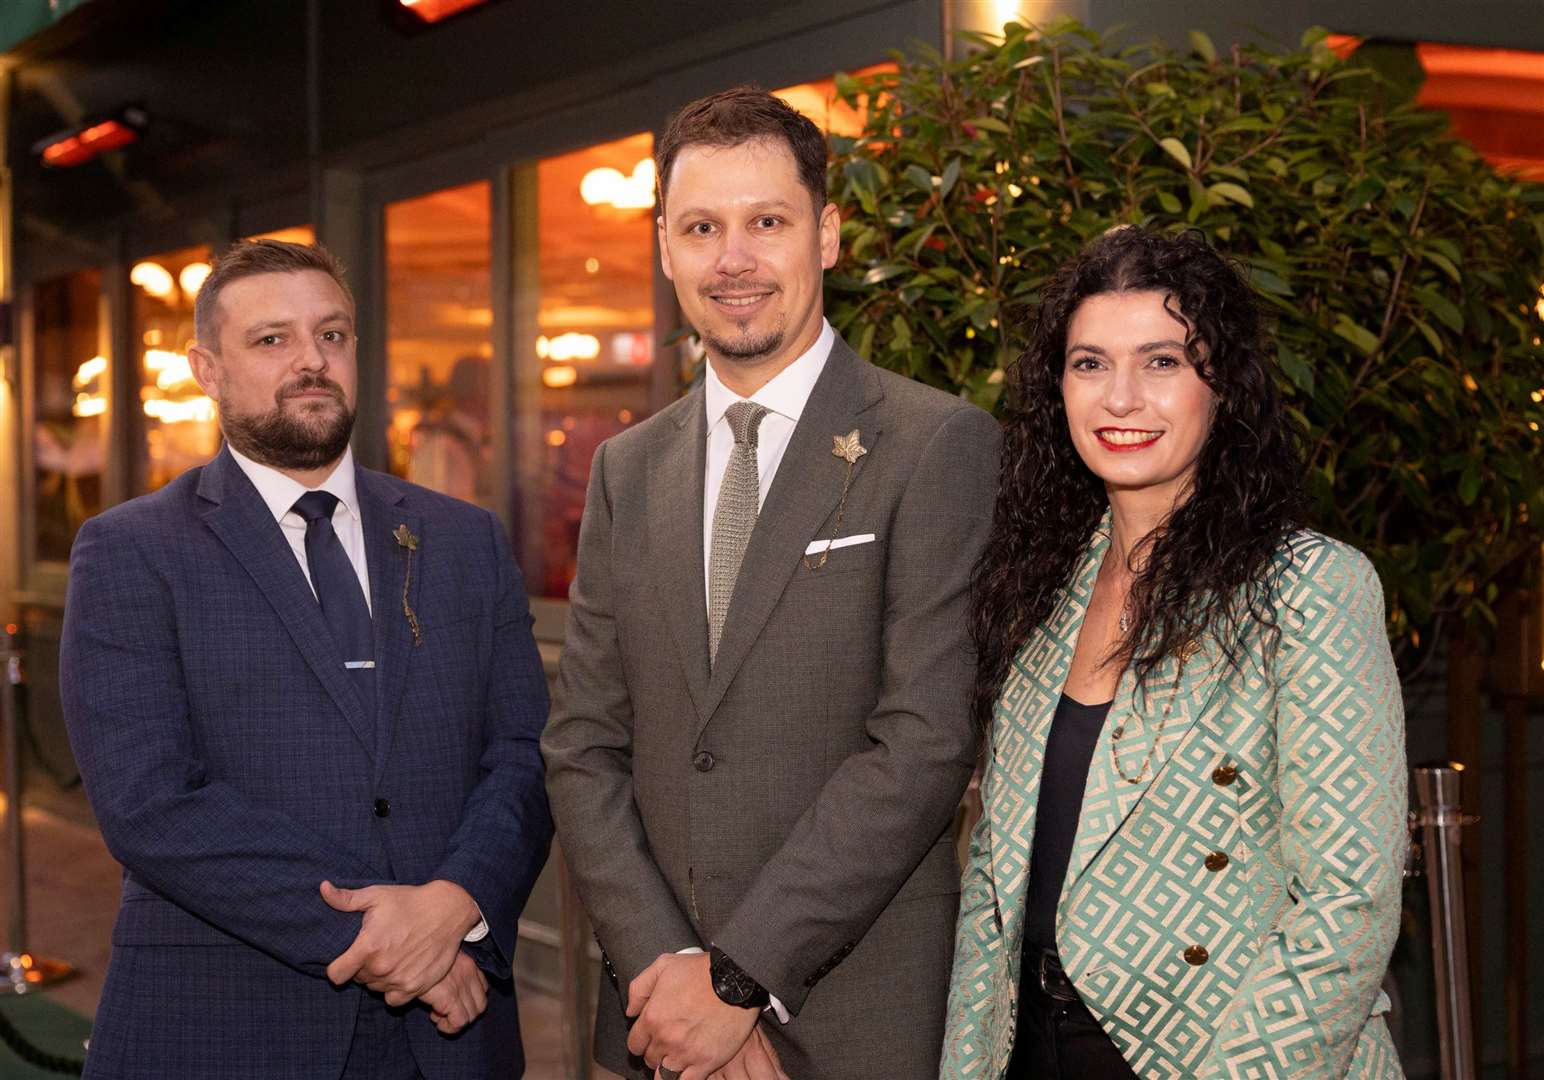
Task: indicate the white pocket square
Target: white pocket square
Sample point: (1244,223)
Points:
(817,546)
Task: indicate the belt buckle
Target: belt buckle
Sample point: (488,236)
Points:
(1054,983)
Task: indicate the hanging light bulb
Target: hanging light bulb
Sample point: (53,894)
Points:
(154,278)
(192,278)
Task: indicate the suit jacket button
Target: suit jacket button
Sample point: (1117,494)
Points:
(703,761)
(1223,775)
(1216,860)
(382,808)
(1197,955)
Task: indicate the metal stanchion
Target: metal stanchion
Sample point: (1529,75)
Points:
(20,971)
(1440,818)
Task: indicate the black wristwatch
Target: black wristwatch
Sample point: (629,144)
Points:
(732,985)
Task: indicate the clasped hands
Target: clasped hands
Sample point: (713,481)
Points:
(681,1024)
(409,947)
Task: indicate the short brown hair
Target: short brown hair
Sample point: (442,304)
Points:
(247,258)
(740,115)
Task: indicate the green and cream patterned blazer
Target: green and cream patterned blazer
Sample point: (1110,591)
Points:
(1265,964)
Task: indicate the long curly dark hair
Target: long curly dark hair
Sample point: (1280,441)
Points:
(1206,571)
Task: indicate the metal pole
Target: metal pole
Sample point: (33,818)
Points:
(1441,818)
(20,971)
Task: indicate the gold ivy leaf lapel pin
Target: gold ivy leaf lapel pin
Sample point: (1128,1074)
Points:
(849,449)
(409,544)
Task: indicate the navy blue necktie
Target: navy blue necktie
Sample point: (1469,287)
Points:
(337,590)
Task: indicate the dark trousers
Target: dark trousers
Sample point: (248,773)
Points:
(380,1049)
(1058,1038)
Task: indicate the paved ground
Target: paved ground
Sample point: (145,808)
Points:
(72,889)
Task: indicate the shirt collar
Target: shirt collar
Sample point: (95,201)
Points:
(785,393)
(279,492)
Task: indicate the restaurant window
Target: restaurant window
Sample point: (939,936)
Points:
(584,336)
(439,347)
(181,429)
(818,101)
(69,409)
(1494,98)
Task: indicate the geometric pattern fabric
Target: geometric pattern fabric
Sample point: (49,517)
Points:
(1233,914)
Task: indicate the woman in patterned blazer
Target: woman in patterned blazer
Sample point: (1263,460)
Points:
(1189,862)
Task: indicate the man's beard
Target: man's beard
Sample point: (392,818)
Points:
(283,440)
(745,348)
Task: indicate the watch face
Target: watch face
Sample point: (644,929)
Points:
(735,987)
(732,985)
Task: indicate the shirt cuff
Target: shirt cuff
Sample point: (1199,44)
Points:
(478,932)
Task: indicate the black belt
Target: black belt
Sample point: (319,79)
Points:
(1054,983)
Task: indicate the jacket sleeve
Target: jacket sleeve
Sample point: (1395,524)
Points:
(248,870)
(969,1022)
(588,747)
(501,844)
(882,808)
(1341,780)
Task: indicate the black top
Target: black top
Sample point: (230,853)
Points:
(1069,749)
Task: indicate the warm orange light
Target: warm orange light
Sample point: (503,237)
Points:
(433,11)
(81,147)
(12,629)
(559,376)
(556,437)
(818,101)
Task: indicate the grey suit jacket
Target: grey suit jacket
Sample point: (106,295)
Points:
(793,803)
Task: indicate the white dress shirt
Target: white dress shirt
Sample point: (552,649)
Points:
(279,493)
(784,396)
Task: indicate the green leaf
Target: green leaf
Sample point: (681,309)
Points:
(1469,483)
(1440,306)
(988,123)
(1295,369)
(1233,193)
(1364,192)
(1176,150)
(1365,340)
(1443,263)
(951,174)
(1203,45)
(1170,204)
(1430,335)
(920,178)
(1268,281)
(883,272)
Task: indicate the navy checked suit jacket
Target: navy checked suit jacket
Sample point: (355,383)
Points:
(232,768)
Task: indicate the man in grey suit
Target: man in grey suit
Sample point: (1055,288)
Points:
(762,731)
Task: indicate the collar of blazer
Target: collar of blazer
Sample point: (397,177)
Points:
(237,516)
(803,495)
(1022,722)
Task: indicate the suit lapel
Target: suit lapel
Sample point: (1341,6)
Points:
(1178,693)
(1021,725)
(675,541)
(237,515)
(380,515)
(805,492)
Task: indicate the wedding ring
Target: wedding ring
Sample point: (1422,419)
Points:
(666,1073)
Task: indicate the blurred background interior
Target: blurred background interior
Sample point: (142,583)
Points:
(483,167)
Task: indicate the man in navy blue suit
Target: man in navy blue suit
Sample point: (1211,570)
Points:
(305,700)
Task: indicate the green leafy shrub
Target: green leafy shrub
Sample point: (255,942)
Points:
(1403,273)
